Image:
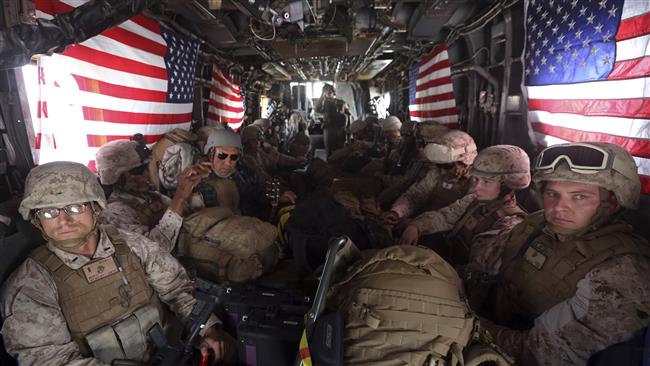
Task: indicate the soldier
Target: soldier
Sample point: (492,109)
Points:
(265,161)
(390,128)
(90,294)
(454,153)
(134,205)
(223,149)
(270,136)
(358,145)
(488,211)
(335,113)
(574,278)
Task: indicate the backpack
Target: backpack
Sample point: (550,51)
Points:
(403,306)
(172,137)
(223,247)
(315,219)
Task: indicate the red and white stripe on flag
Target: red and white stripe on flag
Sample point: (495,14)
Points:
(611,108)
(431,93)
(137,77)
(226,100)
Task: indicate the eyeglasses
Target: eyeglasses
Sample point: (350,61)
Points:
(223,156)
(583,159)
(53,212)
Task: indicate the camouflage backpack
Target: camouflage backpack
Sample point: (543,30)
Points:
(403,306)
(223,247)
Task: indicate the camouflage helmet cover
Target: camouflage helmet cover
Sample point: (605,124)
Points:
(391,123)
(452,146)
(358,126)
(60,183)
(507,162)
(263,123)
(621,179)
(115,158)
(430,130)
(222,138)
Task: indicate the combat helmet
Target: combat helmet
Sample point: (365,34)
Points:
(118,157)
(391,123)
(222,138)
(510,164)
(453,146)
(602,164)
(428,131)
(60,183)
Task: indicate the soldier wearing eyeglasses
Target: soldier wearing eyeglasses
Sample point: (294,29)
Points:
(93,291)
(134,204)
(574,278)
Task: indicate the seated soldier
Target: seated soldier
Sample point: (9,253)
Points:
(414,163)
(223,149)
(231,184)
(390,130)
(300,143)
(487,212)
(454,153)
(360,143)
(265,158)
(133,205)
(270,136)
(91,293)
(574,278)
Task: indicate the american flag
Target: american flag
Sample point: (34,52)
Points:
(137,77)
(587,65)
(431,93)
(226,100)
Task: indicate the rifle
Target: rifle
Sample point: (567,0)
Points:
(208,296)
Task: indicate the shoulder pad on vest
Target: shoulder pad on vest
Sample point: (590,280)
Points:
(46,258)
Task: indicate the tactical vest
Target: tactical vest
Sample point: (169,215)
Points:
(447,192)
(479,218)
(105,305)
(227,192)
(149,213)
(540,271)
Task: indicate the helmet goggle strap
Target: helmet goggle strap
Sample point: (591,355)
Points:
(583,158)
(141,148)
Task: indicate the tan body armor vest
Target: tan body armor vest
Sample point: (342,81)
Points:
(227,192)
(539,271)
(448,192)
(479,218)
(87,307)
(149,214)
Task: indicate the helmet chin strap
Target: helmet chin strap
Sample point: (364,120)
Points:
(70,244)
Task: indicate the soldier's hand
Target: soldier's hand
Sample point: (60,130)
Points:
(410,236)
(288,197)
(212,343)
(390,217)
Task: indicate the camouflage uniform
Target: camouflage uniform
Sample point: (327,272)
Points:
(580,291)
(34,328)
(144,213)
(123,212)
(436,189)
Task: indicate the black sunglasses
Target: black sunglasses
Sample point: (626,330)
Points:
(223,156)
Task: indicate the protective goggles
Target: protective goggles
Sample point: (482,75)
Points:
(49,213)
(583,159)
(224,156)
(143,151)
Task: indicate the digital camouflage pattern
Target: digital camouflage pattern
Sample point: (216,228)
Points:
(508,163)
(417,195)
(116,158)
(146,215)
(626,189)
(60,183)
(611,302)
(391,123)
(34,329)
(487,247)
(452,146)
